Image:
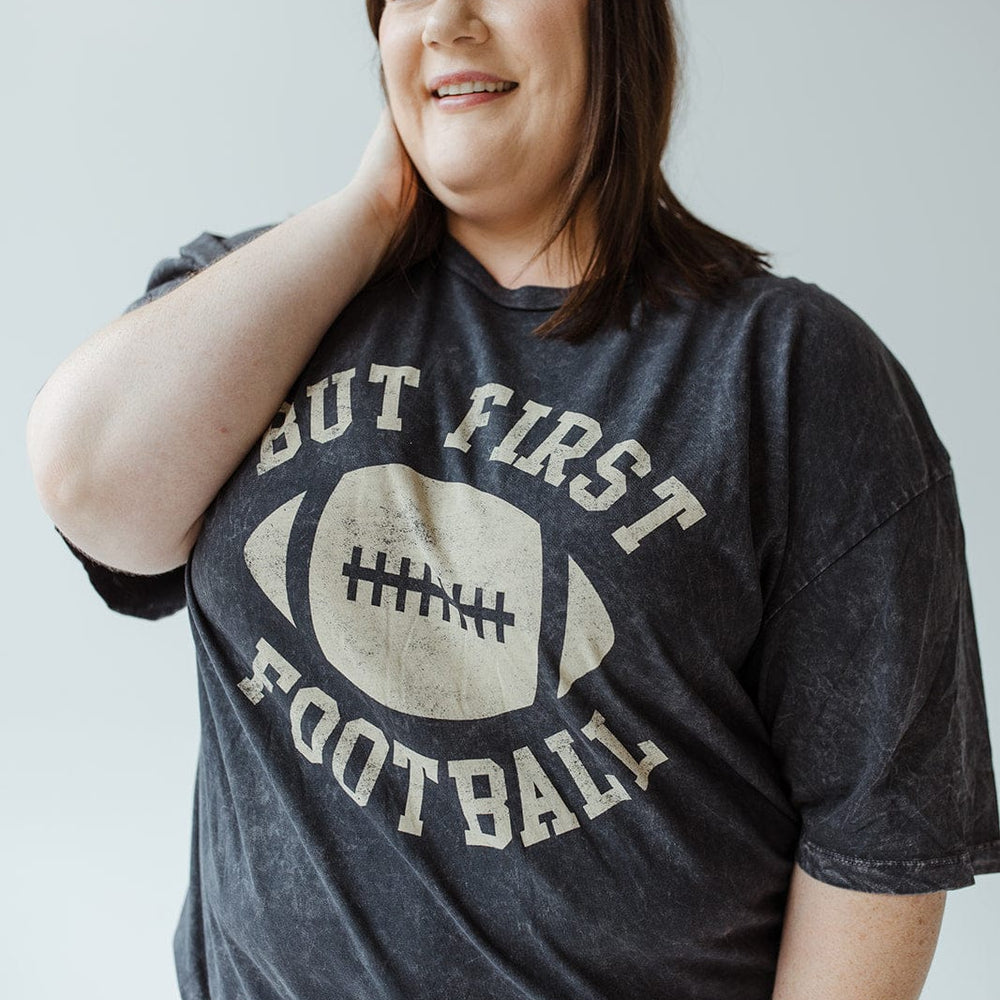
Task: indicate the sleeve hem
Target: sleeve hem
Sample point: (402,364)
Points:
(898,877)
(149,597)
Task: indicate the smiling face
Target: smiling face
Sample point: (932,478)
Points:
(501,153)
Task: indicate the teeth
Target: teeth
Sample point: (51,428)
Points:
(477,87)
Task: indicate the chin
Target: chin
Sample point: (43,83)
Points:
(461,189)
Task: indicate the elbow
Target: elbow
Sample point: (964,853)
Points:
(99,515)
(56,479)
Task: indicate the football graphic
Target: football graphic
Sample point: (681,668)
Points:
(427,595)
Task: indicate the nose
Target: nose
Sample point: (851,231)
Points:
(454,22)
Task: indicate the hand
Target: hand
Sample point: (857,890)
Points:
(386,175)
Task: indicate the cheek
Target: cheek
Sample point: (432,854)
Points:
(401,71)
(394,54)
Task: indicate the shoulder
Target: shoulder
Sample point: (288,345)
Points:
(789,318)
(836,436)
(816,334)
(780,327)
(808,364)
(843,388)
(821,369)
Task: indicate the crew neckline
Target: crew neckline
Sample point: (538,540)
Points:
(538,298)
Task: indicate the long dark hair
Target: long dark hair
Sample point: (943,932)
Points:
(644,233)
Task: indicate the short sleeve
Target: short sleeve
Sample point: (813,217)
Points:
(872,689)
(162,594)
(138,596)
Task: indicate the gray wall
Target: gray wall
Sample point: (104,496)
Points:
(857,140)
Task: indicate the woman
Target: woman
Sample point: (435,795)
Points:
(580,610)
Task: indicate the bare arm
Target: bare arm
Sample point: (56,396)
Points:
(135,432)
(844,945)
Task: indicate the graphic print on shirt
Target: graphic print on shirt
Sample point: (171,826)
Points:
(427,596)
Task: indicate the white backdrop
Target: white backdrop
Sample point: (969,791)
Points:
(858,141)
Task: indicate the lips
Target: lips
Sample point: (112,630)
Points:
(465,82)
(473,87)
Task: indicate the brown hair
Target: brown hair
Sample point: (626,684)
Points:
(645,235)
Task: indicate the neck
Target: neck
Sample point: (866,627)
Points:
(507,248)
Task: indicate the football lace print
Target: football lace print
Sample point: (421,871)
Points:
(430,588)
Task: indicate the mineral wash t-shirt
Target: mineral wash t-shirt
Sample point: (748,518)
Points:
(529,669)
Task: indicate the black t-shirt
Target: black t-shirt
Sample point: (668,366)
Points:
(528,669)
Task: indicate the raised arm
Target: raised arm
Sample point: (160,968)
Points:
(843,945)
(135,432)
